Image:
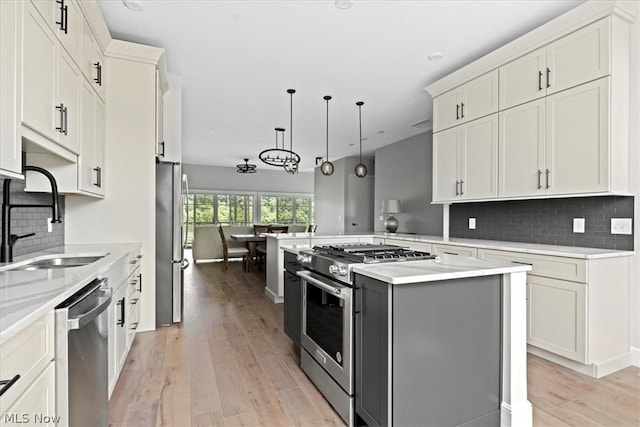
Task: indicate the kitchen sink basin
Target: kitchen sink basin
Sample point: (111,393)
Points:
(55,261)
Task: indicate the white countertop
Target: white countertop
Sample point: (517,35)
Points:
(26,295)
(531,248)
(444,267)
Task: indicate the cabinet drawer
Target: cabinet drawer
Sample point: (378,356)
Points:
(454,250)
(415,246)
(554,267)
(26,354)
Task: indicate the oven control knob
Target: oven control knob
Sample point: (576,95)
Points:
(303,258)
(338,270)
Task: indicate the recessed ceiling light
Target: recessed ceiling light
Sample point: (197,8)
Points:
(134,5)
(436,56)
(343,4)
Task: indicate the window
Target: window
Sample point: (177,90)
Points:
(286,209)
(216,208)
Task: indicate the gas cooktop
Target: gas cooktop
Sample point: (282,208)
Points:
(371,253)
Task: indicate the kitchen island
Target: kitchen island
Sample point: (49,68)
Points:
(441,342)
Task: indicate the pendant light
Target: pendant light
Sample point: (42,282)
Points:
(246,167)
(291,163)
(277,156)
(360,169)
(327,167)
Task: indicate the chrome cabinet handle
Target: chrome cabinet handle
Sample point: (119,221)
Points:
(539,179)
(548,77)
(98,77)
(548,172)
(461,188)
(60,108)
(457,192)
(98,171)
(539,80)
(462,110)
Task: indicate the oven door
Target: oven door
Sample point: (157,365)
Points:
(327,326)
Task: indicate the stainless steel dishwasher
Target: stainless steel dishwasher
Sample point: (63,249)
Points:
(82,356)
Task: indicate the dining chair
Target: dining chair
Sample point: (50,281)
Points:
(278,229)
(261,248)
(312,228)
(232,252)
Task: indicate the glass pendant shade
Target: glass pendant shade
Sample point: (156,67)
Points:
(360,169)
(326,168)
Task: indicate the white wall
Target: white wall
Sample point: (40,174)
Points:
(404,172)
(267,179)
(635,187)
(331,192)
(127,213)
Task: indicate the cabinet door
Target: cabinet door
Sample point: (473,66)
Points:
(480,97)
(38,74)
(579,57)
(68,94)
(86,160)
(446,110)
(10,139)
(523,79)
(159,118)
(100,146)
(292,307)
(577,142)
(372,350)
(445,165)
(478,158)
(521,150)
(39,399)
(119,336)
(69,32)
(557,316)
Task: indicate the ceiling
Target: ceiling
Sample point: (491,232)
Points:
(238,58)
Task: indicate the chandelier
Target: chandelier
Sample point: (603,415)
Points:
(246,167)
(277,156)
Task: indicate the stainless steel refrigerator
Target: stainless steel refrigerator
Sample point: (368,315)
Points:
(171,186)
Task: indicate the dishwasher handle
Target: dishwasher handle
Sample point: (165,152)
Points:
(88,317)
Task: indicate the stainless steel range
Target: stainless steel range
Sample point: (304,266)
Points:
(327,315)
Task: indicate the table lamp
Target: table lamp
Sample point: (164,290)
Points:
(391,207)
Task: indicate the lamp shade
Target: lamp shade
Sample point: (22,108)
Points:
(391,206)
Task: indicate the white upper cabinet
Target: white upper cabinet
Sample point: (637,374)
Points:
(521,162)
(564,112)
(92,62)
(474,99)
(577,58)
(523,79)
(10,58)
(577,141)
(160,143)
(91,168)
(465,161)
(64,18)
(50,85)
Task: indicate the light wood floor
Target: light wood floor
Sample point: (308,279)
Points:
(230,364)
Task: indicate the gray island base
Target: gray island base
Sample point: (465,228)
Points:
(441,343)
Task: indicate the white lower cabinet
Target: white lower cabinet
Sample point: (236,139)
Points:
(438,249)
(556,316)
(27,363)
(577,309)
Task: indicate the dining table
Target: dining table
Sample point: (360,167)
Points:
(250,240)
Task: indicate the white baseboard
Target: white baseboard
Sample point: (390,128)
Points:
(635,356)
(273,297)
(520,414)
(595,370)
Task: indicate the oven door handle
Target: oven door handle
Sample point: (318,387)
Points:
(305,275)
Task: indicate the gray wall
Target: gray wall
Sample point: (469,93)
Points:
(33,220)
(404,172)
(267,179)
(330,194)
(545,221)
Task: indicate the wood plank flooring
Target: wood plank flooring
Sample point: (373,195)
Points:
(230,364)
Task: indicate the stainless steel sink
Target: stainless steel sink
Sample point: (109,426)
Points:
(55,261)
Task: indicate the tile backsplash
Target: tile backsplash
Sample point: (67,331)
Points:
(33,220)
(545,221)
